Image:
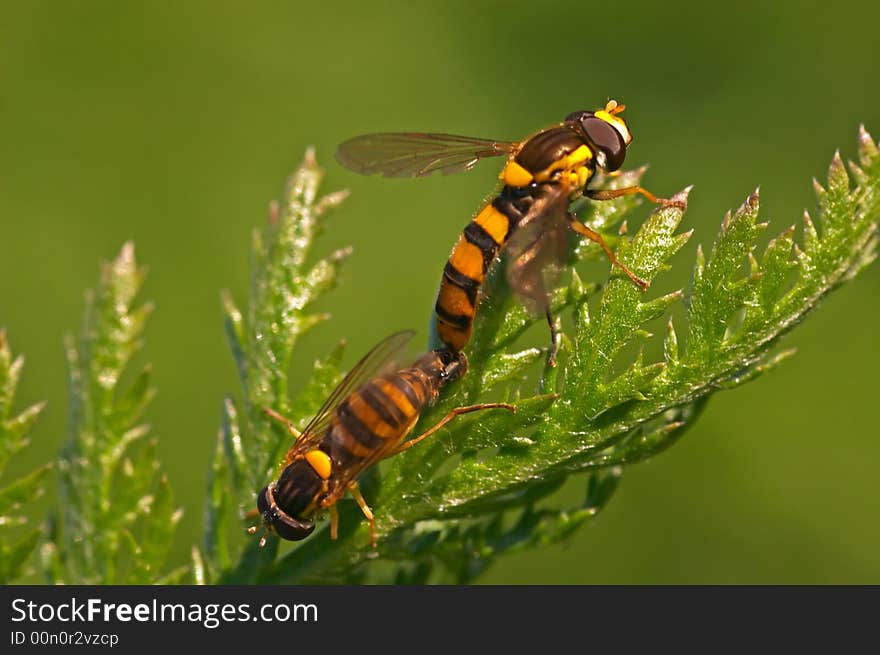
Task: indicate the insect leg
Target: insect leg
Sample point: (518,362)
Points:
(355,492)
(555,337)
(582,229)
(334,522)
(443,421)
(271,413)
(608,194)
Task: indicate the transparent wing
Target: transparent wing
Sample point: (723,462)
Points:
(416,154)
(538,250)
(365,370)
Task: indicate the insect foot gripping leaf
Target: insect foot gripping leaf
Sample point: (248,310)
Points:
(448,507)
(18,496)
(116,515)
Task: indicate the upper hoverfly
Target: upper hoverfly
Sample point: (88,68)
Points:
(530,215)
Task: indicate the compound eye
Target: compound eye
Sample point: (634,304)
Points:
(290,528)
(263,503)
(607,139)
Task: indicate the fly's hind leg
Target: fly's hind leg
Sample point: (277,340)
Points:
(406,445)
(583,230)
(355,492)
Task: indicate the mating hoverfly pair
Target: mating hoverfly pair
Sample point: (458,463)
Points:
(370,414)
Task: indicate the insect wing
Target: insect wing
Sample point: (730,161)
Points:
(537,251)
(416,154)
(365,370)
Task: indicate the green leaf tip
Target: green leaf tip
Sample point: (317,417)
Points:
(115,521)
(16,496)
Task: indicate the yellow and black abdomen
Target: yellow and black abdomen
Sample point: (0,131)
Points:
(375,419)
(465,272)
(539,162)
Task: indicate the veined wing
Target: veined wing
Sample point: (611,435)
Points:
(365,370)
(416,154)
(538,250)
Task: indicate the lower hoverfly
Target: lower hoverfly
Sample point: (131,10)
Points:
(364,420)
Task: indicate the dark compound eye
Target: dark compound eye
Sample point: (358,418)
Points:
(290,528)
(607,139)
(263,502)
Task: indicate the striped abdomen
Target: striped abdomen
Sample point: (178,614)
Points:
(376,418)
(538,164)
(466,269)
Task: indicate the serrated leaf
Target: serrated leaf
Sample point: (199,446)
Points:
(108,482)
(156,529)
(718,291)
(23,491)
(18,497)
(476,489)
(505,367)
(12,559)
(132,403)
(13,432)
(218,500)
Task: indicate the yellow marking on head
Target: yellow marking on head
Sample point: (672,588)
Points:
(319,461)
(468,259)
(515,175)
(570,164)
(494,222)
(579,156)
(616,122)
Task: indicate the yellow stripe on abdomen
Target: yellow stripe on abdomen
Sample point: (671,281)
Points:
(496,224)
(454,300)
(467,259)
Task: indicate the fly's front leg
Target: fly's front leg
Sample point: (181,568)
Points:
(583,230)
(610,194)
(271,413)
(443,421)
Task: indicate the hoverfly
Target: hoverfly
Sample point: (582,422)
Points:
(530,215)
(363,421)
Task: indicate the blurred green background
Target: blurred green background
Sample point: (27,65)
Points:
(174,124)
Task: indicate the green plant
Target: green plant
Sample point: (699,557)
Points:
(446,508)
(481,487)
(14,496)
(115,515)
